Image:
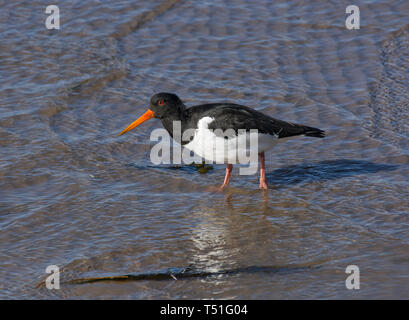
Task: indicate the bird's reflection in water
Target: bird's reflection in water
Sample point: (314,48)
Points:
(230,195)
(212,236)
(212,251)
(265,197)
(228,198)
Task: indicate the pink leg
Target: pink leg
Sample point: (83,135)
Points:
(263,180)
(229,169)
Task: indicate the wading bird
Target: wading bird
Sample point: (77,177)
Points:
(210,122)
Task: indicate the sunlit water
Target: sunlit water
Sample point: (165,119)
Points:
(75,195)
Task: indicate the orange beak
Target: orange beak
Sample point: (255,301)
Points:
(146,116)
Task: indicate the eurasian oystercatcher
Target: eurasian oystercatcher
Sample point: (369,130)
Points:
(222,124)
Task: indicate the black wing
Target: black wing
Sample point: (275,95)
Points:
(233,116)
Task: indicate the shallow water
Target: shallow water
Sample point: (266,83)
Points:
(75,195)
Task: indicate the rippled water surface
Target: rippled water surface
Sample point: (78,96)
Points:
(75,195)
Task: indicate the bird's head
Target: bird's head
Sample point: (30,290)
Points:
(163,105)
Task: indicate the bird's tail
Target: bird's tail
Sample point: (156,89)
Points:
(314,132)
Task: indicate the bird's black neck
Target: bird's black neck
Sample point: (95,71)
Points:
(168,122)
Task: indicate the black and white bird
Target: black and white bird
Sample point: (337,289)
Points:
(222,124)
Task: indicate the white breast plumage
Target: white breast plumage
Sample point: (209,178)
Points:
(218,149)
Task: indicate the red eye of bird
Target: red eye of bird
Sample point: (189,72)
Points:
(160,102)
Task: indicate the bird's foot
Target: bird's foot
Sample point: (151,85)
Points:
(218,189)
(263,185)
